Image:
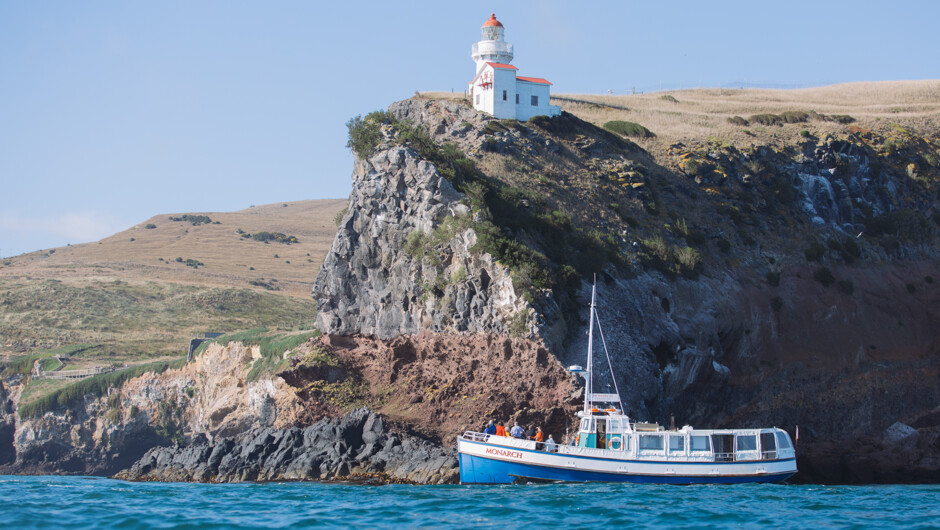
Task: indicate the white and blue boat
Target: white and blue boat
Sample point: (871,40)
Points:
(610,447)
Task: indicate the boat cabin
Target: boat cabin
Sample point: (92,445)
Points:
(613,431)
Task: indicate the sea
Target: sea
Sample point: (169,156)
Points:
(91,502)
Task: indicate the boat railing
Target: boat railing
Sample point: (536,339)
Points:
(724,457)
(768,455)
(475,436)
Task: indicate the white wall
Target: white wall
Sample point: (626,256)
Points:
(504,79)
(525,110)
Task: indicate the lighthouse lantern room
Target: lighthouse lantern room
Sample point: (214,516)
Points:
(496,89)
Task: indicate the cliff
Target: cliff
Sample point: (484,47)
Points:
(739,286)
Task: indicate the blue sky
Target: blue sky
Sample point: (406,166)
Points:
(111,112)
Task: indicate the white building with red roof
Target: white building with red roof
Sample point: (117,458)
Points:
(497,89)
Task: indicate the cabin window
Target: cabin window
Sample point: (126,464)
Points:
(723,444)
(783,441)
(651,442)
(535,101)
(585,423)
(517,99)
(676,444)
(768,447)
(504,95)
(699,443)
(626,442)
(746,442)
(613,426)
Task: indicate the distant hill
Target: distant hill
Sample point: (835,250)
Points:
(142,293)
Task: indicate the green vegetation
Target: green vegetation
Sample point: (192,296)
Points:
(338,218)
(273,348)
(189,262)
(150,226)
(23,364)
(265,284)
(670,259)
(815,252)
(365,133)
(97,386)
(738,120)
(670,98)
(824,276)
(628,128)
(277,237)
(194,220)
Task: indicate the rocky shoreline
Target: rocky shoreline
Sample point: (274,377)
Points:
(354,447)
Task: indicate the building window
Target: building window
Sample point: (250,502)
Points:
(478,99)
(517,99)
(504,95)
(535,101)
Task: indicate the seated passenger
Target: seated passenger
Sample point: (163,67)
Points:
(516,431)
(490,428)
(550,444)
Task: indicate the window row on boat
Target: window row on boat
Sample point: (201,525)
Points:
(616,434)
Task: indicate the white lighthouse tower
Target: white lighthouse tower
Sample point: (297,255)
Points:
(492,48)
(496,89)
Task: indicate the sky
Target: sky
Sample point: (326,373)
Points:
(112,112)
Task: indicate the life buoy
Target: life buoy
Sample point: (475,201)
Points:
(610,443)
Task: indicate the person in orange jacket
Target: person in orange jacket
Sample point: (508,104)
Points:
(500,429)
(539,437)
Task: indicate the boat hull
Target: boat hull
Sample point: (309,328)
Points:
(483,463)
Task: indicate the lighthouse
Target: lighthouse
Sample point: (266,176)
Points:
(496,88)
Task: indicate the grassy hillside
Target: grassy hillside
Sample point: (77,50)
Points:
(684,115)
(143,293)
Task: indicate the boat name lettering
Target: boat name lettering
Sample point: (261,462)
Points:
(503,452)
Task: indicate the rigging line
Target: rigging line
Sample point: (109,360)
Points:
(606,353)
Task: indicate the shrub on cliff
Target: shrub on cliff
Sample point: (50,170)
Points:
(365,133)
(824,276)
(628,128)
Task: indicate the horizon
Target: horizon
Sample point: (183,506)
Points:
(117,113)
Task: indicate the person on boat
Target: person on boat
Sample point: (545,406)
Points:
(539,437)
(550,445)
(490,428)
(501,430)
(529,433)
(516,431)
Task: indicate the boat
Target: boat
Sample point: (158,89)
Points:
(609,446)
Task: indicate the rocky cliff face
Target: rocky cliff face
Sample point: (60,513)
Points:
(208,398)
(760,286)
(354,447)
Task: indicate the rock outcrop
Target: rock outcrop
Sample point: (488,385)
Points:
(807,297)
(354,447)
(370,285)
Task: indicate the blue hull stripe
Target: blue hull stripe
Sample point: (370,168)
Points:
(631,461)
(481,470)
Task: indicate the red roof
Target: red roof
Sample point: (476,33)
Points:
(533,80)
(492,21)
(501,65)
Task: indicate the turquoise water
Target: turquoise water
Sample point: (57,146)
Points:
(85,502)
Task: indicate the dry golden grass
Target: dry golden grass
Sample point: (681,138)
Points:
(227,257)
(702,113)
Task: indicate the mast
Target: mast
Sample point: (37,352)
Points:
(589,383)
